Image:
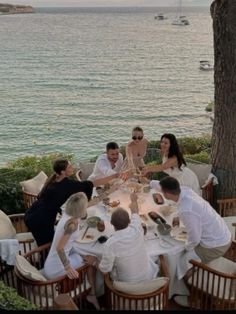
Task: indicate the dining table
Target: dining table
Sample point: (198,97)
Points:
(156,243)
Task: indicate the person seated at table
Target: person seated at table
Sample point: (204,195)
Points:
(108,164)
(173,164)
(41,216)
(125,255)
(136,150)
(207,232)
(62,259)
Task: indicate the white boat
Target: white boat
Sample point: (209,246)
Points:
(180,19)
(205,65)
(160,17)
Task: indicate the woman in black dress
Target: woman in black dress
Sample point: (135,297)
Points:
(41,216)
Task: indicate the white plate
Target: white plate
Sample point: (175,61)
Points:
(91,235)
(166,210)
(179,234)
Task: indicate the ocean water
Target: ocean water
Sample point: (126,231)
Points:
(73,79)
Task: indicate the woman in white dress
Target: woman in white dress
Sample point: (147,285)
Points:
(62,259)
(135,150)
(173,164)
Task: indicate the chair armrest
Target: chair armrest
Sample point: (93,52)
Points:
(78,175)
(163,266)
(18,222)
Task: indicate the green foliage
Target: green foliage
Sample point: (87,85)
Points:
(194,145)
(203,157)
(10,300)
(38,163)
(24,168)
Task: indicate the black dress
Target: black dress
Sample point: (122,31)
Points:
(40,217)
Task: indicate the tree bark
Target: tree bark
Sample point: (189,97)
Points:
(223,13)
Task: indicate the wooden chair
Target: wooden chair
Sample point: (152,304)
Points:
(28,199)
(18,222)
(207,192)
(213,286)
(227,207)
(78,175)
(156,300)
(26,242)
(64,302)
(43,293)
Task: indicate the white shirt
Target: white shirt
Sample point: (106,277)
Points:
(102,167)
(125,254)
(203,224)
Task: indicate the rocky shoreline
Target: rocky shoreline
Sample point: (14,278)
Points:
(15,9)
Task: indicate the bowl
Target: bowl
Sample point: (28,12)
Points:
(114,204)
(92,221)
(164,229)
(166,210)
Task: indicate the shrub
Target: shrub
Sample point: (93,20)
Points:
(10,300)
(24,168)
(37,163)
(203,157)
(194,145)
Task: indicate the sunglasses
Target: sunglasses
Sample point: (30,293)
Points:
(137,138)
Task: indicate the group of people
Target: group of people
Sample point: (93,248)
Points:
(124,256)
(173,162)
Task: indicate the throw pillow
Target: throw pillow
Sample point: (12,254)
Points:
(7,231)
(27,270)
(86,169)
(35,184)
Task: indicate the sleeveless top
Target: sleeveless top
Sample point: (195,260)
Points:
(184,175)
(53,266)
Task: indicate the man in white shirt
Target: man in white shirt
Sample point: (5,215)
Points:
(207,231)
(125,255)
(108,164)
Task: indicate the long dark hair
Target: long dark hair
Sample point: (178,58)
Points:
(174,149)
(59,165)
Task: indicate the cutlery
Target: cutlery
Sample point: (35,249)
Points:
(84,233)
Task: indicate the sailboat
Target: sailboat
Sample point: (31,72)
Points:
(180,19)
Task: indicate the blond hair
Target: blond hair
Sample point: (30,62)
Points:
(76,205)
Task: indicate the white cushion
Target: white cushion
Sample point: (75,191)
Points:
(7,230)
(140,287)
(86,169)
(35,184)
(27,270)
(201,170)
(223,265)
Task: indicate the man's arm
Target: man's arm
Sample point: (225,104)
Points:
(193,228)
(106,264)
(134,203)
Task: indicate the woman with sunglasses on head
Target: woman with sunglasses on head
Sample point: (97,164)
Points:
(136,150)
(173,163)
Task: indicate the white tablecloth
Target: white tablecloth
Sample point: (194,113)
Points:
(229,220)
(156,245)
(8,250)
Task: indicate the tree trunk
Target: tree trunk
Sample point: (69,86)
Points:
(223,13)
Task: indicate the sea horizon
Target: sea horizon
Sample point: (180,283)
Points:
(75,78)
